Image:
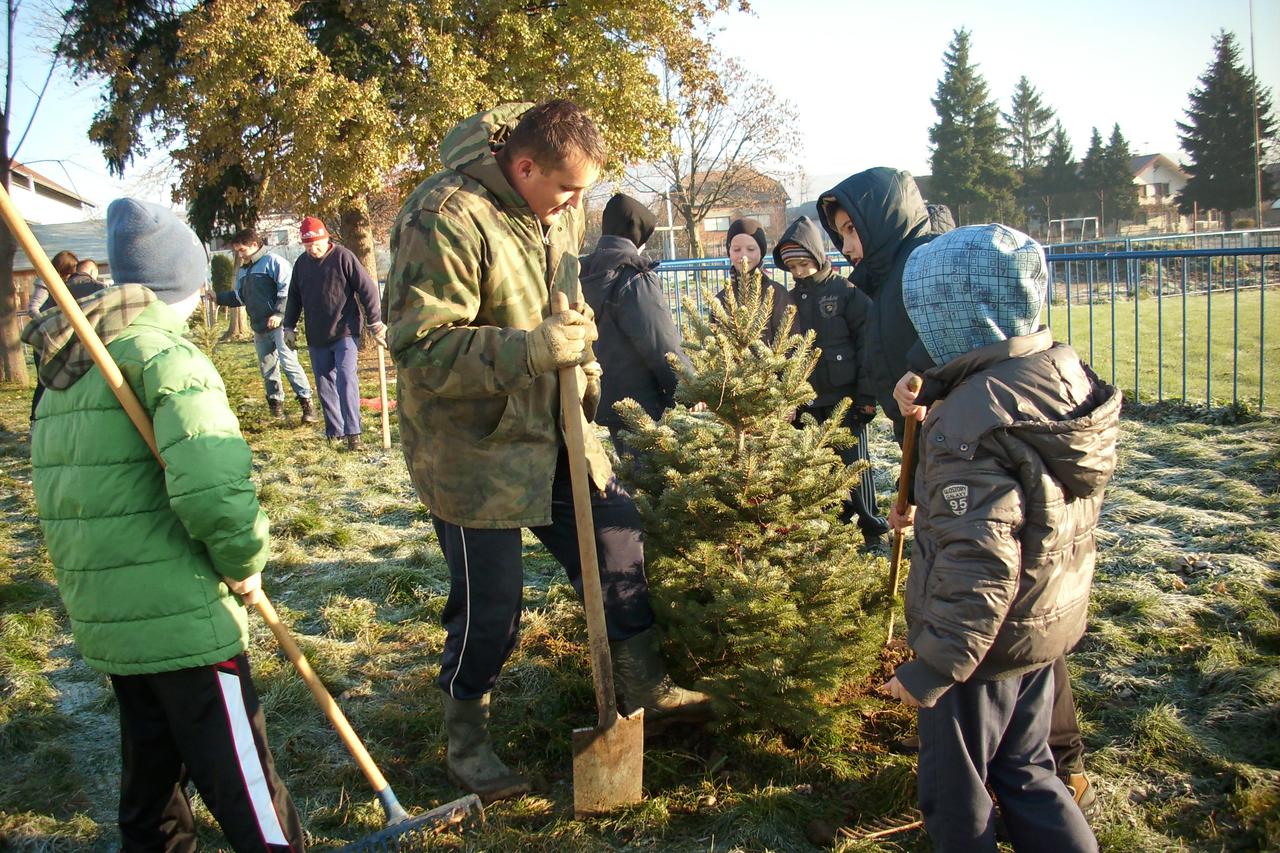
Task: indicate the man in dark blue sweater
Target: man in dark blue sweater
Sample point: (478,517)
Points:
(331,287)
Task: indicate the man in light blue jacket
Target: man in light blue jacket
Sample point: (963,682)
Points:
(262,287)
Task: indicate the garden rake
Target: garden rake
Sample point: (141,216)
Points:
(400,826)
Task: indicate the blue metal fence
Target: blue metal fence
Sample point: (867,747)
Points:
(1121,298)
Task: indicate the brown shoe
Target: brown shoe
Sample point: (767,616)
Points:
(308,410)
(1084,794)
(352,441)
(277,408)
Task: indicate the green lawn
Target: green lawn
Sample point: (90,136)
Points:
(1234,341)
(1178,679)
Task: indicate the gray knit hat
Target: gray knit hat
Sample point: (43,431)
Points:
(973,287)
(148,245)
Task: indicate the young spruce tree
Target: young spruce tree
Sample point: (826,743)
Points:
(758,585)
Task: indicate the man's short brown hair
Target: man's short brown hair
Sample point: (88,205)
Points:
(552,133)
(246,237)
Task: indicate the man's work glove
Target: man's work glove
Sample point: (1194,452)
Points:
(274,321)
(291,338)
(379,332)
(560,340)
(589,382)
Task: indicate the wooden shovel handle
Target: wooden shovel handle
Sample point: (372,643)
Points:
(115,380)
(905,473)
(593,600)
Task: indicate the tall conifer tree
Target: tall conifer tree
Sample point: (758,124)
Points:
(1218,135)
(971,171)
(1121,190)
(1029,126)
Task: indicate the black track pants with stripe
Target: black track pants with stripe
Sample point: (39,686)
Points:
(202,725)
(486,569)
(861,503)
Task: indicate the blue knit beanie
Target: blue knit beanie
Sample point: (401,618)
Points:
(973,287)
(148,245)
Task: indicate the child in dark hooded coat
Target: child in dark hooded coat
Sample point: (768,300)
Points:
(836,311)
(632,316)
(746,240)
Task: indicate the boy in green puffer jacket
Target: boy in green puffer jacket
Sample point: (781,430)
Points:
(156,564)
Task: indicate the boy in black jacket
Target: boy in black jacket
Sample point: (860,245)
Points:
(836,312)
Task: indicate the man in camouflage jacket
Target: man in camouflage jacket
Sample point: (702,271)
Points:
(477,252)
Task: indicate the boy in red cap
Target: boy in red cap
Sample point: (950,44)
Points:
(332,288)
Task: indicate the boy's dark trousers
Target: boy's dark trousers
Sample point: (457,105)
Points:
(862,497)
(996,733)
(202,725)
(486,569)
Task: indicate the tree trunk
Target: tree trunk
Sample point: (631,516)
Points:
(13,359)
(237,325)
(695,237)
(357,233)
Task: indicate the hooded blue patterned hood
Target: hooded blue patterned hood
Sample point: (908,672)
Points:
(973,287)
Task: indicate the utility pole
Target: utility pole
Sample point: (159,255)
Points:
(1257,143)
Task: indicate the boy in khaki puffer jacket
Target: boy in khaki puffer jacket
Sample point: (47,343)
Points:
(1016,449)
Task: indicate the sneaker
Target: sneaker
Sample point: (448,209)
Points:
(1085,795)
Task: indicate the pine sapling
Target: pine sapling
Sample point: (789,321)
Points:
(758,585)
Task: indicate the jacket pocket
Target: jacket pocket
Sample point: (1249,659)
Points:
(841,365)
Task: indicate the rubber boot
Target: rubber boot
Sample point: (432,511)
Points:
(640,676)
(472,764)
(276,407)
(308,410)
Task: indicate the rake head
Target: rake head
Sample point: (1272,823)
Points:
(416,833)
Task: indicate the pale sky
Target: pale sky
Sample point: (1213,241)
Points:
(859,72)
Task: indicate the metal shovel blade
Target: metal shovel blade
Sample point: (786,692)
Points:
(608,765)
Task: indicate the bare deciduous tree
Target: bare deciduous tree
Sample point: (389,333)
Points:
(723,142)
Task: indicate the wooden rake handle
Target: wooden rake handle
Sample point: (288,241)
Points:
(115,380)
(84,331)
(905,473)
(593,599)
(382,392)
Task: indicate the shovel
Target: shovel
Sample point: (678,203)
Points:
(608,760)
(904,489)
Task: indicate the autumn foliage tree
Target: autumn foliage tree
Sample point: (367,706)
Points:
(281,104)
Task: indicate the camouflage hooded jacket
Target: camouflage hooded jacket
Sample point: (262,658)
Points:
(472,272)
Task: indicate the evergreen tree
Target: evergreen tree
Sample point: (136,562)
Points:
(1122,193)
(1057,185)
(1059,174)
(757,583)
(1029,130)
(1094,176)
(1218,135)
(969,163)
